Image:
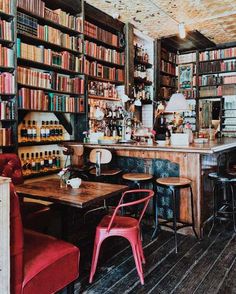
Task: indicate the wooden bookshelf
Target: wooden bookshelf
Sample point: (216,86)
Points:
(105,80)
(101,61)
(102,98)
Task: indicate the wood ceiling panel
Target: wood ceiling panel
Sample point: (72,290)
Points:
(159,18)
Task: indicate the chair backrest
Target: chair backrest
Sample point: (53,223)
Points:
(147,195)
(16,244)
(10,166)
(104,155)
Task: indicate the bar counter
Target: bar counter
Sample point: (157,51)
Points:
(193,162)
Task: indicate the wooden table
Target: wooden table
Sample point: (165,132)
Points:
(88,193)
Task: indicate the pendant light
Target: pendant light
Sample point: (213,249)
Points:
(182,32)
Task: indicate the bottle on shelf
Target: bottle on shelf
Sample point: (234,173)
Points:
(54,166)
(23,164)
(58,159)
(50,161)
(41,161)
(28,164)
(46,162)
(34,131)
(29,132)
(37,163)
(42,132)
(23,132)
(33,164)
(47,131)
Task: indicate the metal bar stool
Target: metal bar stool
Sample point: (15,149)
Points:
(226,183)
(174,184)
(138,179)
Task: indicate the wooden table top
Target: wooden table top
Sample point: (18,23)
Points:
(88,193)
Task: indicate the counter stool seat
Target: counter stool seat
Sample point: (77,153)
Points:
(136,177)
(174,184)
(173,181)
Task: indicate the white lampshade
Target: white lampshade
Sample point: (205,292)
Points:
(177,103)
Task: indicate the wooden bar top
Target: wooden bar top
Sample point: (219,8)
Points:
(203,148)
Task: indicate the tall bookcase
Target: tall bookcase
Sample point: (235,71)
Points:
(8,108)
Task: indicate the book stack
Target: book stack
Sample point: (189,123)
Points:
(52,80)
(40,54)
(7,83)
(5,6)
(34,6)
(189,94)
(6,56)
(97,70)
(215,66)
(38,100)
(5,136)
(168,56)
(186,58)
(106,54)
(5,30)
(7,110)
(93,31)
(168,67)
(27,24)
(218,54)
(210,92)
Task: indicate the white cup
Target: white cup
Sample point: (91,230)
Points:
(74,183)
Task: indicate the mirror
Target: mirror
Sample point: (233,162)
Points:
(209,113)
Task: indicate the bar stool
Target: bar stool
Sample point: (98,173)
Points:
(226,183)
(138,179)
(174,184)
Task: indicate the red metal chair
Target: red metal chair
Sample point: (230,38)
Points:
(39,263)
(123,226)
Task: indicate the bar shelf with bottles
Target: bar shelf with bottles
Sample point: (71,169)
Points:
(228,118)
(102,90)
(36,164)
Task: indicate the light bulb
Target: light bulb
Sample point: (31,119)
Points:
(182,32)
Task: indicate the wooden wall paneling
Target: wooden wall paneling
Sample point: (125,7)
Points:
(129,58)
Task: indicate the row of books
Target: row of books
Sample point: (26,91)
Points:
(6,56)
(186,58)
(40,54)
(5,6)
(217,54)
(5,30)
(50,80)
(168,67)
(97,70)
(168,56)
(217,66)
(100,34)
(38,100)
(7,83)
(7,110)
(56,15)
(101,89)
(101,52)
(191,93)
(216,80)
(223,90)
(29,25)
(5,136)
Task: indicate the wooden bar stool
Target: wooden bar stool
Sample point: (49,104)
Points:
(224,204)
(138,179)
(174,184)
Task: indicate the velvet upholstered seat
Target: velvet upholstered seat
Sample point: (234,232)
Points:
(39,263)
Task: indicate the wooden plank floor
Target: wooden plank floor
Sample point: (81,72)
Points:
(208,266)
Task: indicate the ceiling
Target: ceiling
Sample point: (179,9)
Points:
(159,18)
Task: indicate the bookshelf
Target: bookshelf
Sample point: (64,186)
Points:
(8,113)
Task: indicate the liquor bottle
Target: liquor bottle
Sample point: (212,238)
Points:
(28,164)
(37,163)
(33,164)
(52,131)
(47,131)
(56,130)
(42,132)
(41,162)
(58,159)
(23,164)
(29,132)
(46,163)
(54,159)
(60,132)
(23,132)
(34,131)
(50,161)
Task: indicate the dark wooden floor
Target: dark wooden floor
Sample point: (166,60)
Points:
(208,266)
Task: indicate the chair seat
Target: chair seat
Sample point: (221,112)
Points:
(173,181)
(137,177)
(106,172)
(43,256)
(120,222)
